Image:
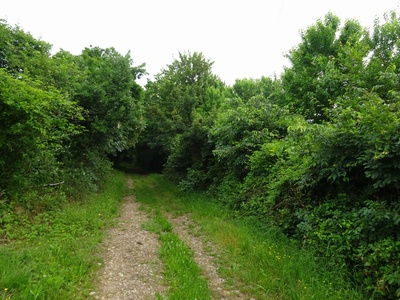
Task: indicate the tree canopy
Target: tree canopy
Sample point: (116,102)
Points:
(62,114)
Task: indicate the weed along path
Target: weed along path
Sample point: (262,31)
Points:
(156,251)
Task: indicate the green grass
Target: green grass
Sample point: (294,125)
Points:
(52,255)
(263,263)
(181,275)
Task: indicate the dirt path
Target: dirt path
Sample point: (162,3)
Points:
(132,268)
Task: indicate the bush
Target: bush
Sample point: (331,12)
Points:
(365,238)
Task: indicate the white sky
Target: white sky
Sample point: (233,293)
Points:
(243,38)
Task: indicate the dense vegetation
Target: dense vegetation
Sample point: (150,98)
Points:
(314,152)
(257,260)
(62,117)
(52,253)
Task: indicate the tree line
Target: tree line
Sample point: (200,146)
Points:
(62,116)
(314,151)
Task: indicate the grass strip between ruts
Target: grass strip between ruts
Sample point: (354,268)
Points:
(182,275)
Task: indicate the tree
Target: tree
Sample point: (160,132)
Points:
(171,100)
(21,53)
(240,128)
(37,120)
(383,64)
(113,117)
(321,64)
(246,88)
(35,126)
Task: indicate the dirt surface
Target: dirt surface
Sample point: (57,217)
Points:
(132,268)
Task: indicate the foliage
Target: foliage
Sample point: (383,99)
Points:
(21,53)
(314,152)
(246,88)
(62,115)
(113,116)
(191,162)
(298,183)
(191,157)
(50,255)
(285,150)
(313,81)
(173,96)
(241,128)
(364,236)
(36,125)
(106,89)
(258,260)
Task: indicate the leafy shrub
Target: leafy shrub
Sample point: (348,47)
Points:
(35,126)
(86,173)
(352,160)
(365,237)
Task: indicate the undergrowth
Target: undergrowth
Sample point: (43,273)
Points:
(52,255)
(261,262)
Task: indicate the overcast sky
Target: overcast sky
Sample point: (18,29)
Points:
(244,38)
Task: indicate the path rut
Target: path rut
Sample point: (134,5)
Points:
(132,268)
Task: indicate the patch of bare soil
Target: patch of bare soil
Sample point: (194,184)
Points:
(132,268)
(204,255)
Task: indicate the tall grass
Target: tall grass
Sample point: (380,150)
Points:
(52,255)
(261,261)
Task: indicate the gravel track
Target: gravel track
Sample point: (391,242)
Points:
(132,267)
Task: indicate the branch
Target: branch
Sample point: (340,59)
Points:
(53,184)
